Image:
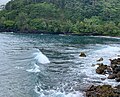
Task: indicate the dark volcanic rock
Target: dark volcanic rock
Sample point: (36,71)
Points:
(116,69)
(118,74)
(109,70)
(101,69)
(112,76)
(82,54)
(101,59)
(113,70)
(115,61)
(102,91)
(117,79)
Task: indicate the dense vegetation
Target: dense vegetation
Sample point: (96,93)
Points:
(62,16)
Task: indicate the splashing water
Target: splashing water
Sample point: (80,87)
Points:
(41,58)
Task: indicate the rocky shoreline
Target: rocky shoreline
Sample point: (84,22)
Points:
(113,72)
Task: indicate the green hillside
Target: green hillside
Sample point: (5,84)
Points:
(62,16)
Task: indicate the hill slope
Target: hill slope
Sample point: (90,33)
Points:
(62,16)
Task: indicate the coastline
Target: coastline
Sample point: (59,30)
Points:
(60,33)
(43,36)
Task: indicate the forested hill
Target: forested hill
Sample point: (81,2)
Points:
(62,16)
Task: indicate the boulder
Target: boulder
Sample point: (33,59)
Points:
(109,70)
(115,61)
(118,74)
(116,69)
(101,69)
(102,91)
(103,78)
(101,59)
(117,79)
(82,54)
(112,76)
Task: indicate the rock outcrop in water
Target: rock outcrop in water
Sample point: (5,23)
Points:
(103,91)
(106,90)
(82,54)
(113,70)
(101,69)
(101,59)
(115,65)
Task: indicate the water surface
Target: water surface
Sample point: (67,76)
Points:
(34,65)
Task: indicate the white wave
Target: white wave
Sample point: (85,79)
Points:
(41,58)
(17,67)
(35,69)
(54,93)
(109,50)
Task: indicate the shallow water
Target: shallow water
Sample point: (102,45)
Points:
(34,65)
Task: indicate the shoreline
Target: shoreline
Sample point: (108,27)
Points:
(61,33)
(106,90)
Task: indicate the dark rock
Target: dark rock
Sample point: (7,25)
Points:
(103,78)
(109,70)
(113,66)
(38,89)
(101,59)
(102,91)
(116,69)
(117,79)
(101,69)
(118,55)
(112,76)
(82,54)
(117,87)
(118,74)
(115,61)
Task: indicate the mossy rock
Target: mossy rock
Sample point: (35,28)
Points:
(102,91)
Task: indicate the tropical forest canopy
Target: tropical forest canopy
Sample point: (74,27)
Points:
(62,16)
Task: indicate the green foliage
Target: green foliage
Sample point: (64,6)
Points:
(9,23)
(62,16)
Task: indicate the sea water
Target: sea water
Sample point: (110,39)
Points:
(34,65)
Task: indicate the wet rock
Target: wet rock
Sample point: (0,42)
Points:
(115,61)
(93,65)
(82,54)
(109,70)
(116,69)
(117,87)
(102,91)
(101,59)
(117,79)
(103,78)
(38,89)
(101,69)
(118,74)
(112,76)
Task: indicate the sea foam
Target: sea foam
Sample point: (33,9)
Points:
(35,69)
(41,58)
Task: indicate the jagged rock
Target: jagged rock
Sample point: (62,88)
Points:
(103,78)
(118,74)
(118,55)
(117,79)
(112,76)
(115,61)
(82,54)
(101,69)
(102,91)
(109,70)
(117,87)
(116,69)
(101,59)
